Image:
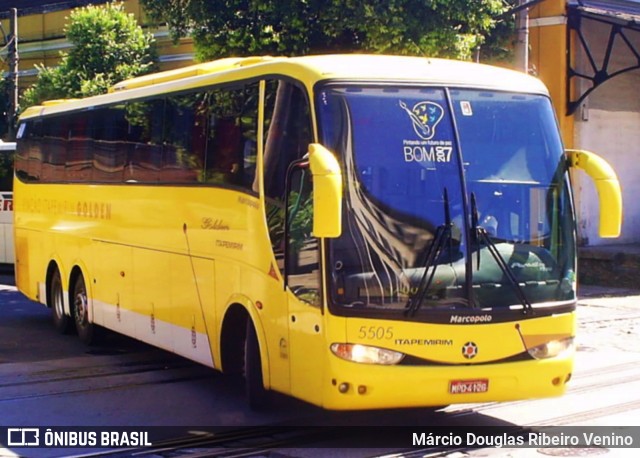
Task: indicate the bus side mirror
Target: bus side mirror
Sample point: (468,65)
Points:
(327,192)
(608,187)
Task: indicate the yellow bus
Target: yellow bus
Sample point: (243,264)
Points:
(355,231)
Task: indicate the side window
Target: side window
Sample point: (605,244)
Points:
(109,146)
(29,151)
(144,138)
(22,149)
(79,160)
(54,142)
(231,145)
(35,152)
(209,136)
(185,138)
(288,196)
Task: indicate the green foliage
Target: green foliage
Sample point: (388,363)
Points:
(499,44)
(220,28)
(108,46)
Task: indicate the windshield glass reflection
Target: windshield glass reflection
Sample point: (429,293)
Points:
(406,176)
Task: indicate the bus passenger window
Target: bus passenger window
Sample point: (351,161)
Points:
(109,147)
(184,139)
(25,151)
(54,141)
(79,161)
(144,137)
(224,154)
(231,146)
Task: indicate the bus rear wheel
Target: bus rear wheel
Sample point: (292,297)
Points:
(61,321)
(257,396)
(86,329)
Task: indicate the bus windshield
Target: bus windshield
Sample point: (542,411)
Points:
(454,198)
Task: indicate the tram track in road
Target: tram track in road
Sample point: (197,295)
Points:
(561,420)
(82,374)
(582,382)
(236,443)
(591,414)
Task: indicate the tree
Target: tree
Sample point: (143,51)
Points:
(108,46)
(221,28)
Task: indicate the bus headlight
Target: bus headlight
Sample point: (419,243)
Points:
(366,354)
(551,349)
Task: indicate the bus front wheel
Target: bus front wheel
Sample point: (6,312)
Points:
(86,329)
(257,395)
(61,321)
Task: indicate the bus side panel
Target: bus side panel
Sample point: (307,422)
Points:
(113,287)
(27,245)
(163,306)
(190,296)
(205,270)
(274,321)
(151,272)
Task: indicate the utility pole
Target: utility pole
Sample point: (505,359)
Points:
(522,45)
(12,43)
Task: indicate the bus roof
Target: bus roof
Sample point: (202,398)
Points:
(310,69)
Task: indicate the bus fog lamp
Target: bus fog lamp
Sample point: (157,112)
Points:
(366,354)
(552,348)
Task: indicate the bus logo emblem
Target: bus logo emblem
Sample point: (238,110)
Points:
(469,350)
(425,116)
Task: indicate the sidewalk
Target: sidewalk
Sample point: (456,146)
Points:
(610,265)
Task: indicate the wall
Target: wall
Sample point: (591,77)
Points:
(608,123)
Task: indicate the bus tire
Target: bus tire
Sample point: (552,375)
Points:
(61,321)
(257,395)
(86,329)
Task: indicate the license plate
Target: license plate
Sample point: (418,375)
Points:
(469,386)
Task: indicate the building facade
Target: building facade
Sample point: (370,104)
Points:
(41,36)
(588,54)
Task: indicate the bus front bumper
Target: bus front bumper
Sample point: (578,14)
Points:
(357,386)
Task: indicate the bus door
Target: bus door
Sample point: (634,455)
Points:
(289,210)
(303,279)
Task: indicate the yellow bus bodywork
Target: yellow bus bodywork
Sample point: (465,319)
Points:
(167,265)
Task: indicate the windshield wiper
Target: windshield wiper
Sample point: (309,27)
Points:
(442,236)
(480,235)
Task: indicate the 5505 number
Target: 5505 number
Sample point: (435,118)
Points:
(375,332)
